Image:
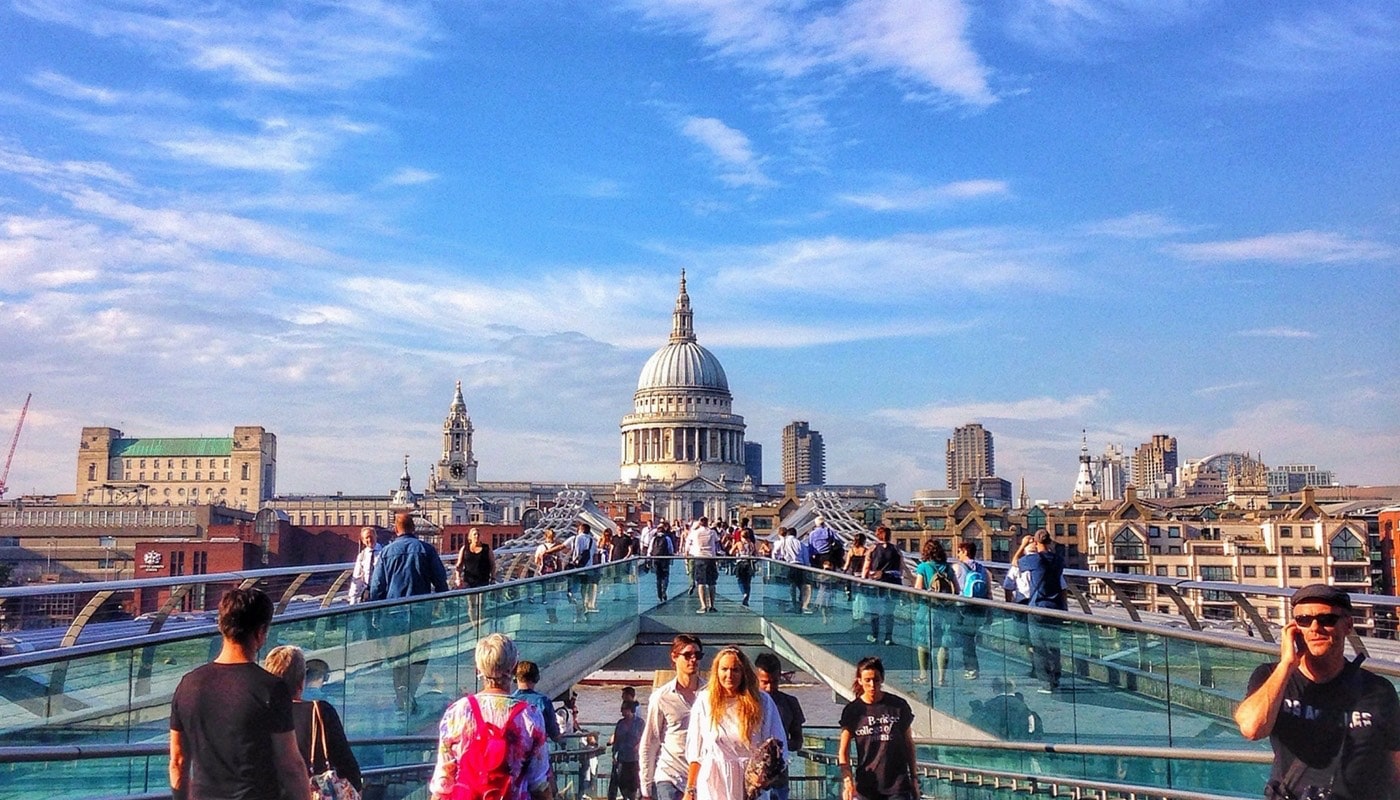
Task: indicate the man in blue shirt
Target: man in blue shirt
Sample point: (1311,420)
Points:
(407,567)
(1045,570)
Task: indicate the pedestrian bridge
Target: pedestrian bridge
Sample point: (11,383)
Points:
(1143,706)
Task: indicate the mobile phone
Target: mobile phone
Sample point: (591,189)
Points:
(1299,645)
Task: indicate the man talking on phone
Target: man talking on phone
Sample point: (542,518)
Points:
(1334,727)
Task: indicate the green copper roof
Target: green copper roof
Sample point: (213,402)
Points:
(143,448)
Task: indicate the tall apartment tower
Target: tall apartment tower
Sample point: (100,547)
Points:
(970,454)
(1112,473)
(804,455)
(1154,466)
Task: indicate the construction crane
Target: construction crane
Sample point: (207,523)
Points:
(14,440)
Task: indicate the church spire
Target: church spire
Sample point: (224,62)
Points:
(458,404)
(682,320)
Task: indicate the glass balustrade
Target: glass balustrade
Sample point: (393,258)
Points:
(394,667)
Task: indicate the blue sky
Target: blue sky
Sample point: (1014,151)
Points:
(896,217)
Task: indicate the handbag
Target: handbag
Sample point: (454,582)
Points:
(326,785)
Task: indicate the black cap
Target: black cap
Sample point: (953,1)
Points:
(1322,593)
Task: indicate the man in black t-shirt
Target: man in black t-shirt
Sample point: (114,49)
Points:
(1334,727)
(231,732)
(770,676)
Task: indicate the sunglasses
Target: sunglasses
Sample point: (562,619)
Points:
(690,654)
(1305,621)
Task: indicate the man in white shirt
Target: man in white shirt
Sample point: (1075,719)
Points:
(664,768)
(703,545)
(791,550)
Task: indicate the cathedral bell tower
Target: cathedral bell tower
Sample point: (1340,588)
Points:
(456,470)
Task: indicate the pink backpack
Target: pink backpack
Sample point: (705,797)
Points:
(482,771)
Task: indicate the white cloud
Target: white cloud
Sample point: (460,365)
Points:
(207,230)
(938,417)
(1207,391)
(411,176)
(1301,247)
(1278,332)
(281,145)
(63,86)
(1326,41)
(923,42)
(980,260)
(920,198)
(1141,225)
(729,147)
(298,45)
(1075,27)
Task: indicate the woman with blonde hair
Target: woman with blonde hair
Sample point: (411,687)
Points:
(320,734)
(729,724)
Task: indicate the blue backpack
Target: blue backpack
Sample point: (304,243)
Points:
(975,583)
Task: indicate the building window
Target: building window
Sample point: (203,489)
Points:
(184,463)
(1181,572)
(1295,572)
(1128,547)
(1347,547)
(177,563)
(1250,572)
(245,472)
(1161,571)
(1285,532)
(1074,529)
(1174,532)
(1271,572)
(1154,532)
(201,562)
(1314,572)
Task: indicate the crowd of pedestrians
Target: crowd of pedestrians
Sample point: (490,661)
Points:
(725,736)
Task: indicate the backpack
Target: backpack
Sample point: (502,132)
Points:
(835,555)
(549,564)
(661,545)
(943,582)
(975,583)
(581,556)
(482,770)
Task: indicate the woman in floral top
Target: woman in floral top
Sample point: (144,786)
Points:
(527,756)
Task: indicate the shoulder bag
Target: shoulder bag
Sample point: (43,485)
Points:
(326,785)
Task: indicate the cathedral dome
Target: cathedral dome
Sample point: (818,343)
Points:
(683,365)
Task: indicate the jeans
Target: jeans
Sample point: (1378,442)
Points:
(666,790)
(1045,644)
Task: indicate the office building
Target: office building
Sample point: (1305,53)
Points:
(970,454)
(804,455)
(1154,467)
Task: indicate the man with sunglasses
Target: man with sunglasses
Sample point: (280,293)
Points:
(1334,727)
(664,767)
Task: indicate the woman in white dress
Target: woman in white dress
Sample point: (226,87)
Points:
(729,722)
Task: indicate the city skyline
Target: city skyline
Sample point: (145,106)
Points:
(895,217)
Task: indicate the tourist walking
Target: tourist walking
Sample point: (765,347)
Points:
(730,723)
(231,728)
(363,569)
(1334,727)
(702,545)
(880,725)
(745,552)
(660,549)
(547,560)
(855,565)
(770,679)
(582,549)
(933,621)
(527,674)
(1044,569)
(526,751)
(884,563)
(793,551)
(320,736)
(407,567)
(475,568)
(973,581)
(626,738)
(663,765)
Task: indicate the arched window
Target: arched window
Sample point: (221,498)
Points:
(1347,547)
(1128,546)
(245,472)
(92,472)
